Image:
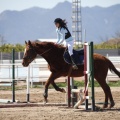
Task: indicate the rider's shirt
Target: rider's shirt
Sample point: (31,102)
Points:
(63,34)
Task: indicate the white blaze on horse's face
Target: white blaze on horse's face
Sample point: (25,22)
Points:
(24,51)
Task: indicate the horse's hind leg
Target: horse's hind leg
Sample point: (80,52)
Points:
(104,87)
(100,77)
(112,103)
(101,69)
(107,92)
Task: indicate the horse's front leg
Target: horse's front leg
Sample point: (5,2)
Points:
(48,82)
(57,88)
(45,94)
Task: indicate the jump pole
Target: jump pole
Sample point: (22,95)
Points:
(86,75)
(92,75)
(28,84)
(68,92)
(13,75)
(89,73)
(85,72)
(86,64)
(73,95)
(13,79)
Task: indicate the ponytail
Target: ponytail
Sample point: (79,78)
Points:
(63,24)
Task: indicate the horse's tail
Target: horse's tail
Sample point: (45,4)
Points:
(112,68)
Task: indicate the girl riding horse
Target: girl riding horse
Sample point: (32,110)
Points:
(63,34)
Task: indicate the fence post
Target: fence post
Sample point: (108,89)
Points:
(13,75)
(28,84)
(69,91)
(19,56)
(92,75)
(73,95)
(85,74)
(1,55)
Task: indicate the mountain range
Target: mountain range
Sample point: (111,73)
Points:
(33,23)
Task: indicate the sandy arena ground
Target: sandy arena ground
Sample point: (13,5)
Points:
(57,112)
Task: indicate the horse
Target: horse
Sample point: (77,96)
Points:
(53,54)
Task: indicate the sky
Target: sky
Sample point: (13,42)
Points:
(24,4)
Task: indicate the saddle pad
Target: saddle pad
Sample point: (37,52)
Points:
(78,57)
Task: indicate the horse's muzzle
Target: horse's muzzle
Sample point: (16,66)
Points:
(24,64)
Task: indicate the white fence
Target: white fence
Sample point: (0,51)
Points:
(20,71)
(39,71)
(116,61)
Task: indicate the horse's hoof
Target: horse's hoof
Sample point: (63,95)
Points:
(105,106)
(112,104)
(45,100)
(63,90)
(45,95)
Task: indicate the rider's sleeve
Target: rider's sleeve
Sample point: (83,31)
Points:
(58,37)
(61,36)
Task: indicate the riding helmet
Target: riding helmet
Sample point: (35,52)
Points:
(58,20)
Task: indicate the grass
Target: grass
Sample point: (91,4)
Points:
(76,83)
(16,88)
(81,84)
(115,84)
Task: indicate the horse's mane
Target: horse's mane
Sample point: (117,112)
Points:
(48,44)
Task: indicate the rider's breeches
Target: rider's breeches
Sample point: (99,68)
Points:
(70,46)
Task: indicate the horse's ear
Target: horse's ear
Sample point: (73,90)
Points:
(29,43)
(25,42)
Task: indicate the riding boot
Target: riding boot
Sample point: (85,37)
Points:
(74,66)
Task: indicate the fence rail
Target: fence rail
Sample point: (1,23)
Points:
(40,72)
(112,77)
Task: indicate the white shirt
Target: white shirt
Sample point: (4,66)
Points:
(61,35)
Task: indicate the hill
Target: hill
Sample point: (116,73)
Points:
(34,23)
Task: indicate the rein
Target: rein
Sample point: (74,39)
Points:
(45,51)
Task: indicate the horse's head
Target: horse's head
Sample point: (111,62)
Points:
(29,54)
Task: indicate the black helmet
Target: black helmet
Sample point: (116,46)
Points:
(58,20)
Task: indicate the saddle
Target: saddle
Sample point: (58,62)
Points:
(77,54)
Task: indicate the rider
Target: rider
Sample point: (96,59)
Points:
(64,34)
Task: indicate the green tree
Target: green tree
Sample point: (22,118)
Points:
(8,48)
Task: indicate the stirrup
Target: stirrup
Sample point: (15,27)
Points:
(74,67)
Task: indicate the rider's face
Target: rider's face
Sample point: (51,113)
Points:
(57,25)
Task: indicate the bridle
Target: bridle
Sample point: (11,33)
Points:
(29,58)
(32,49)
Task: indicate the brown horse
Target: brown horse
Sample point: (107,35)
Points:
(53,54)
